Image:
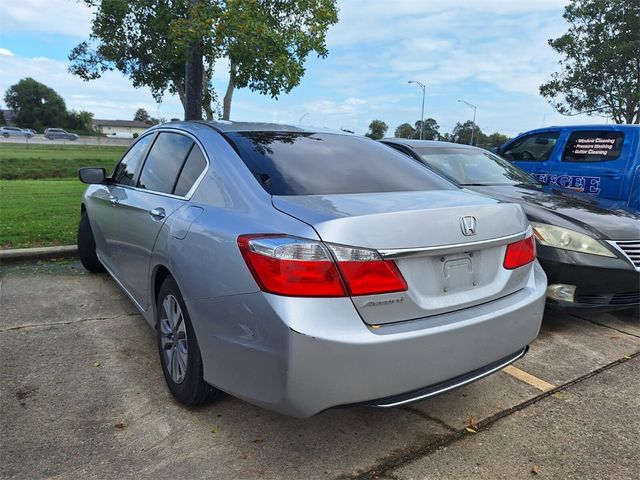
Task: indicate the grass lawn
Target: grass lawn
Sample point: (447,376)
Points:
(20,161)
(39,212)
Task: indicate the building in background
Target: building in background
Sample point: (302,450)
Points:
(119,128)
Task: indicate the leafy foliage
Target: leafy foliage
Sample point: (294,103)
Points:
(430,130)
(266,41)
(377,129)
(600,69)
(35,105)
(405,130)
(142,115)
(38,106)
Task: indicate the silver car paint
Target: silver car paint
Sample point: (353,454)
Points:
(302,355)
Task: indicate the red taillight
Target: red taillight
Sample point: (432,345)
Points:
(520,253)
(306,268)
(372,277)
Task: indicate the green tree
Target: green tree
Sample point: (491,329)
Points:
(377,129)
(2,119)
(81,120)
(35,105)
(267,43)
(405,131)
(142,115)
(495,140)
(600,69)
(430,131)
(461,133)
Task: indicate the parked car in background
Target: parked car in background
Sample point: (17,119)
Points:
(591,255)
(602,160)
(302,270)
(7,132)
(59,134)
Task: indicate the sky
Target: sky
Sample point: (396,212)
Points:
(490,53)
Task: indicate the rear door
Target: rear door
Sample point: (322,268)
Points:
(534,153)
(593,161)
(143,210)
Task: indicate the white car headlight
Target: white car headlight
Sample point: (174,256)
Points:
(566,239)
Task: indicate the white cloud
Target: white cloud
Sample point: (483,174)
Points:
(6,52)
(66,17)
(111,96)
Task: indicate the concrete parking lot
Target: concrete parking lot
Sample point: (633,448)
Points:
(82,396)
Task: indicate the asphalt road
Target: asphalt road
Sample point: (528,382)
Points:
(82,396)
(83,140)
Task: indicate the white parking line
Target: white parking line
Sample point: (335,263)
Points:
(528,378)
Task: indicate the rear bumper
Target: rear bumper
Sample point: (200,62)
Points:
(432,391)
(302,356)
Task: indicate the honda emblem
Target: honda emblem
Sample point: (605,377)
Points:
(468,225)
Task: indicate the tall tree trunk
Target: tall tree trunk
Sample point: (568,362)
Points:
(206,95)
(193,78)
(226,103)
(181,95)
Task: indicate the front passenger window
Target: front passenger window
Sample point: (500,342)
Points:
(125,172)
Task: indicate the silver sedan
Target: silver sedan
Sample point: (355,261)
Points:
(302,270)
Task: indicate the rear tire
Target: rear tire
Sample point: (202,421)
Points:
(87,246)
(178,348)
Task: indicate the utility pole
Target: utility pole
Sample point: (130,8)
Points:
(193,78)
(473,128)
(423,87)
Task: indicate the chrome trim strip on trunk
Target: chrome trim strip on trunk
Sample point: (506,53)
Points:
(448,385)
(390,254)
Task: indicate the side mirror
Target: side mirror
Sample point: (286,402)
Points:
(496,150)
(92,175)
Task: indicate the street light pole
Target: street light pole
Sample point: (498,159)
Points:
(423,87)
(473,129)
(300,119)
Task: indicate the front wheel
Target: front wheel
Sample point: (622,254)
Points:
(178,347)
(87,246)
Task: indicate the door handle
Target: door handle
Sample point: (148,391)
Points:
(113,200)
(158,213)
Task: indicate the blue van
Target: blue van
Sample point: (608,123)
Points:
(602,160)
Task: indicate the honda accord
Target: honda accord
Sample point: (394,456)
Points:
(302,270)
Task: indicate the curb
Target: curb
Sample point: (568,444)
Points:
(40,253)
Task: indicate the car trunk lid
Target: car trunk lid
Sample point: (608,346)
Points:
(446,266)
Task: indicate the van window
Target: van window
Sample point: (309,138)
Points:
(593,146)
(532,148)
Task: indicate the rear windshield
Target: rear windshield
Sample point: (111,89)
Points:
(293,163)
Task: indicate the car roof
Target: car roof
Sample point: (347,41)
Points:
(428,143)
(226,126)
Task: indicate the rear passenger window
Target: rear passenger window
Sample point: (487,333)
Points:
(593,146)
(164,162)
(192,169)
(125,171)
